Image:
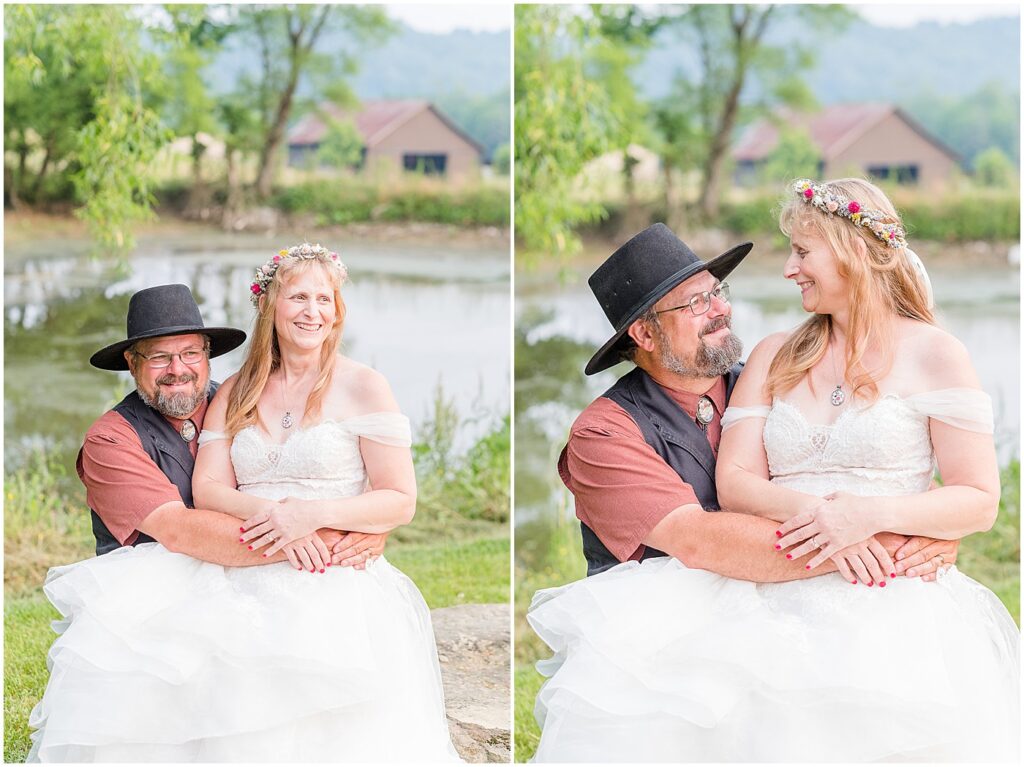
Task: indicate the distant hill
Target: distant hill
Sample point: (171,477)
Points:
(467,74)
(961,81)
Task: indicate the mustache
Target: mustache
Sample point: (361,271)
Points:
(716,324)
(170,378)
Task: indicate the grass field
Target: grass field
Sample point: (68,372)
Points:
(993,558)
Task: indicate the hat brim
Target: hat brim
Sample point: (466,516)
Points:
(611,352)
(222,340)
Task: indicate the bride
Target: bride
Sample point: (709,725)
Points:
(261,663)
(832,431)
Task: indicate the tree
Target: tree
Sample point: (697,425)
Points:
(286,39)
(733,49)
(192,40)
(342,145)
(795,156)
(569,110)
(993,168)
(77,86)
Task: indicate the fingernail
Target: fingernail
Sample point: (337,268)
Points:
(911,572)
(808,567)
(328,564)
(249,547)
(778,533)
(778,547)
(870,584)
(265,556)
(881,584)
(892,575)
(321,570)
(241,540)
(241,529)
(789,556)
(854,582)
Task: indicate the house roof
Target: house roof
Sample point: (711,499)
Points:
(375,121)
(832,129)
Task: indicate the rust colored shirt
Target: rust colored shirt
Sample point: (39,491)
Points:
(122,484)
(622,487)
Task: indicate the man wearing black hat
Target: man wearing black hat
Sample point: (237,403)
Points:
(137,459)
(640,460)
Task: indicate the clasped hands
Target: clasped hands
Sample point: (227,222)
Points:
(286,526)
(841,530)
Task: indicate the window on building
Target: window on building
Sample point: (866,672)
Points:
(901,174)
(428,164)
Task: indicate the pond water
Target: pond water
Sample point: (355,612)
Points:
(430,316)
(558,328)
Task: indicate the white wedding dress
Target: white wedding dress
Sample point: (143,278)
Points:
(162,657)
(657,662)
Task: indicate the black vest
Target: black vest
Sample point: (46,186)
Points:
(168,450)
(675,436)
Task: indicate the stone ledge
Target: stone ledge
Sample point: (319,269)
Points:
(473,646)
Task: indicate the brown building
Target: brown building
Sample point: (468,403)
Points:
(876,140)
(410,135)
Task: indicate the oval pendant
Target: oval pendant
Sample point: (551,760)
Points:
(705,411)
(286,421)
(838,397)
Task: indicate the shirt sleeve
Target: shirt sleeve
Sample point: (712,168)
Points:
(122,483)
(623,488)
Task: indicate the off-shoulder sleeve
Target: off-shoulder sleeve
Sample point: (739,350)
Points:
(968,409)
(209,435)
(387,428)
(733,415)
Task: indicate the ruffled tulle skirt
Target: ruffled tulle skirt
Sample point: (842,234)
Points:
(162,657)
(656,662)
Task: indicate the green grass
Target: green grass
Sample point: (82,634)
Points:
(555,558)
(450,573)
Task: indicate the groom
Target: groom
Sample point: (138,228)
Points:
(640,460)
(137,459)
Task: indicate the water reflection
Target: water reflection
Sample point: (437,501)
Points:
(420,324)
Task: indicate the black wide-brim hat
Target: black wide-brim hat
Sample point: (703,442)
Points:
(639,273)
(166,310)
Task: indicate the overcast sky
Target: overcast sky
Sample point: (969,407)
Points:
(907,15)
(478,17)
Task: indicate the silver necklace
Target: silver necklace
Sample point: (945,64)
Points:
(286,419)
(838,395)
(705,411)
(188,430)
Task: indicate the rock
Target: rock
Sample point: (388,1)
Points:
(473,646)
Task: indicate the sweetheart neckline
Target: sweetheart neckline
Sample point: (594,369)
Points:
(261,435)
(842,415)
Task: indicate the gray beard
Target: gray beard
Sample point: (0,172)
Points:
(708,361)
(179,405)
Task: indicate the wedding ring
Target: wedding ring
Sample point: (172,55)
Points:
(814,542)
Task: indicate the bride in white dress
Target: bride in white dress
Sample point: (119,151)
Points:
(834,432)
(167,658)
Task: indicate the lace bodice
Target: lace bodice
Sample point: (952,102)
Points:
(321,461)
(880,449)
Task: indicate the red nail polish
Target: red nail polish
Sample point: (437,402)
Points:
(264,556)
(871,584)
(778,547)
(881,584)
(249,547)
(241,540)
(778,533)
(241,529)
(892,575)
(808,567)
(328,564)
(789,556)
(322,571)
(854,583)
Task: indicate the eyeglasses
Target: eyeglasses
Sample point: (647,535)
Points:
(163,360)
(701,302)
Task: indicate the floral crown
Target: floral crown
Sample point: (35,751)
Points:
(265,274)
(822,197)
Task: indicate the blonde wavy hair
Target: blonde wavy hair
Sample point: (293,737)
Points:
(264,356)
(882,284)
